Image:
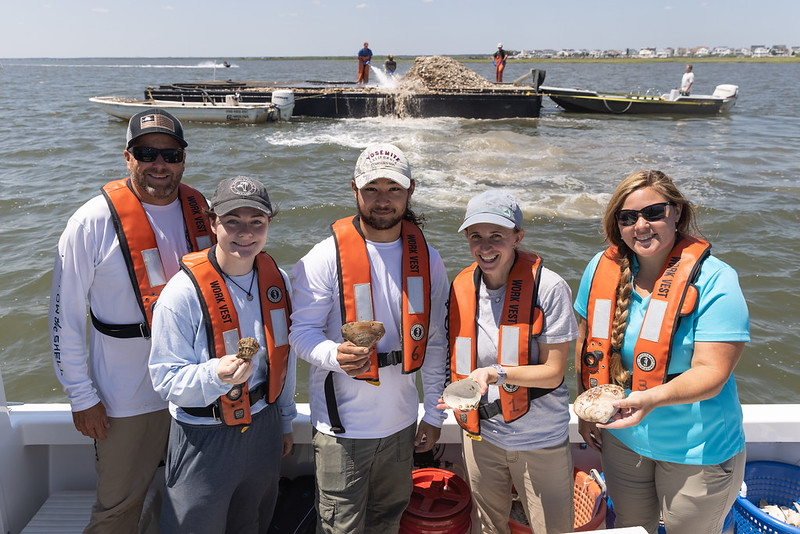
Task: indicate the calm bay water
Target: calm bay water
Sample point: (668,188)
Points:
(741,169)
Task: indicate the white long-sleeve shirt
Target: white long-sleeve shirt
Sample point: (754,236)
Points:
(89,266)
(366,411)
(180,367)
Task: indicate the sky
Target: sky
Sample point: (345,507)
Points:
(268,28)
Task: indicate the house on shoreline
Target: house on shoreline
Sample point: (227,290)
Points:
(756,51)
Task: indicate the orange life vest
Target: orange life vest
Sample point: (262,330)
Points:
(674,296)
(521,322)
(355,289)
(138,244)
(222,324)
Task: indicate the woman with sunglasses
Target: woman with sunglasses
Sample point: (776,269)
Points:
(667,321)
(232,412)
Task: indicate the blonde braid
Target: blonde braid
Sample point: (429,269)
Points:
(617,372)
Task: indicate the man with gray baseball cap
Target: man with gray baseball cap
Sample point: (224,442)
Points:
(117,252)
(364,402)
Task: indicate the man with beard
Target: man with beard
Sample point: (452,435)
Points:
(117,252)
(364,402)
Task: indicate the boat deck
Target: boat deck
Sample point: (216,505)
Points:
(64,512)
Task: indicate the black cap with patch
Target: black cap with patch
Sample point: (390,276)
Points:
(154,121)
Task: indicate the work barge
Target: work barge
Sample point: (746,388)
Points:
(339,100)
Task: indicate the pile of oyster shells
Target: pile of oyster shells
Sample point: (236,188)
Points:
(782,513)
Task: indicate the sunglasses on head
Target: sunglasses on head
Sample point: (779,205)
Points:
(651,213)
(148,154)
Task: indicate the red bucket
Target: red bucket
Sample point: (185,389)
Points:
(440,503)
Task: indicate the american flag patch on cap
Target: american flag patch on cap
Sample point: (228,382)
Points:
(156,121)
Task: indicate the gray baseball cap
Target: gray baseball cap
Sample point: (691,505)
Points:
(240,192)
(493,207)
(382,161)
(154,121)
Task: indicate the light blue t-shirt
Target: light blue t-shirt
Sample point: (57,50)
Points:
(701,433)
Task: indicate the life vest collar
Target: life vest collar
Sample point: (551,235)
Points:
(674,296)
(355,298)
(139,247)
(222,324)
(520,323)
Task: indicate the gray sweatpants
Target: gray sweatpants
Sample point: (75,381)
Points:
(222,479)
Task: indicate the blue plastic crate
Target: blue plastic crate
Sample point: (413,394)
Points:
(775,482)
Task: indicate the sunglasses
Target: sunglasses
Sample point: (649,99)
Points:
(148,154)
(651,213)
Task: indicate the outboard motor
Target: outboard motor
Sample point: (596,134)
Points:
(284,99)
(536,77)
(726,90)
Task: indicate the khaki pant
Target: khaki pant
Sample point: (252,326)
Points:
(692,499)
(126,462)
(543,479)
(363,485)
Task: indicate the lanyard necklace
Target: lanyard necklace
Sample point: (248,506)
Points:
(248,291)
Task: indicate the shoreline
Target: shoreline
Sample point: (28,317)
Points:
(473,58)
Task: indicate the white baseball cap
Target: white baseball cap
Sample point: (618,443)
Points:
(382,160)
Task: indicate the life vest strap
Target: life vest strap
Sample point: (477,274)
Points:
(120,331)
(384,359)
(333,410)
(487,411)
(212,410)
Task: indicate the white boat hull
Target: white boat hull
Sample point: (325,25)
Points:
(125,108)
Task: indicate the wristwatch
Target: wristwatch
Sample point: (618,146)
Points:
(501,374)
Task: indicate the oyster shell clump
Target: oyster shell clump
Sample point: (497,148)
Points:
(595,405)
(363,333)
(248,347)
(462,395)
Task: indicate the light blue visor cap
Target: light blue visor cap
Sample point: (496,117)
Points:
(493,207)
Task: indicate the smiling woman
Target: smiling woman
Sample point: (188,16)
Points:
(214,394)
(518,356)
(667,321)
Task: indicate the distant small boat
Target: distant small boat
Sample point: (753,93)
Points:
(673,103)
(230,111)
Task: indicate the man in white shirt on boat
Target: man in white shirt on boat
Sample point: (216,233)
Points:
(687,81)
(364,403)
(117,252)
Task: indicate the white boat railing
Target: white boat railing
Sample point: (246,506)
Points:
(41,453)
